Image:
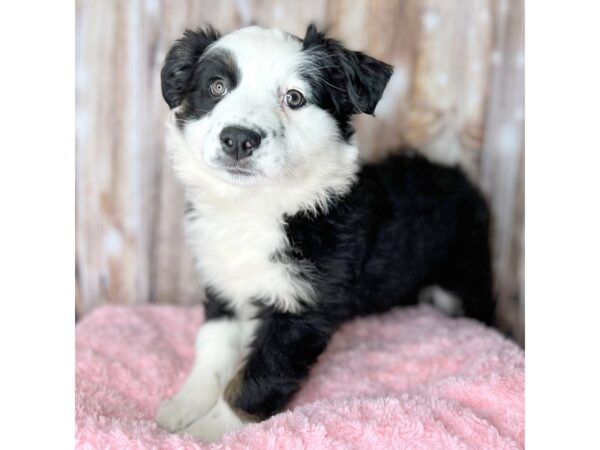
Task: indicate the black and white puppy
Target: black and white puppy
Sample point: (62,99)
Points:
(291,236)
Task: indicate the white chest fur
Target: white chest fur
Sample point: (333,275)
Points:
(237,229)
(234,247)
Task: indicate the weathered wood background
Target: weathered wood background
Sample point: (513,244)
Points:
(457,93)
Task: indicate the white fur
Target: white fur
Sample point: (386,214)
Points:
(238,224)
(445,301)
(221,345)
(211,427)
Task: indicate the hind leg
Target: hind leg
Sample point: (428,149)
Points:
(468,273)
(473,286)
(443,300)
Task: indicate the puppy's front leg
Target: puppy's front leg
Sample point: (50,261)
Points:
(284,349)
(219,349)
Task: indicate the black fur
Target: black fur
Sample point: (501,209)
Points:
(215,307)
(406,224)
(283,350)
(186,76)
(181,61)
(346,82)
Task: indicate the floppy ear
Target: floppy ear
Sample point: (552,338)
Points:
(180,62)
(361,77)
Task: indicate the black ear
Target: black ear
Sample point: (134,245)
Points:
(361,78)
(180,62)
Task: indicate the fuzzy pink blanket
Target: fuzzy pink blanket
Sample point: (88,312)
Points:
(411,378)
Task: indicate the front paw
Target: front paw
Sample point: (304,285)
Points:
(183,409)
(221,419)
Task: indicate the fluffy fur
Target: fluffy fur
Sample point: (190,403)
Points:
(291,236)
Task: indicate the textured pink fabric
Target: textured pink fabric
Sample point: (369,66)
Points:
(410,378)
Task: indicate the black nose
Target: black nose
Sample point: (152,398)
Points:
(239,143)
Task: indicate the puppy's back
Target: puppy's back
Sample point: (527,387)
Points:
(406,224)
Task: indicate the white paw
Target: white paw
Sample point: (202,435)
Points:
(184,408)
(218,421)
(443,300)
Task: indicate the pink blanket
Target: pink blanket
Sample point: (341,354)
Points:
(410,378)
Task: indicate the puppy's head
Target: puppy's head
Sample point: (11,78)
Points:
(260,106)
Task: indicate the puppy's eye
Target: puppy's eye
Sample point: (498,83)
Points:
(218,88)
(294,99)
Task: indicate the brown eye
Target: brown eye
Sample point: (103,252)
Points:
(294,99)
(218,88)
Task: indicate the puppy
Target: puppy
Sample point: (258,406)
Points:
(291,236)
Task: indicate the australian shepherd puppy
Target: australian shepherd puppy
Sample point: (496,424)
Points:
(292,236)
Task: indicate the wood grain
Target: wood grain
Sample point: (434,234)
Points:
(457,94)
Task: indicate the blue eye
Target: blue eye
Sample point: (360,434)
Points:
(218,88)
(294,99)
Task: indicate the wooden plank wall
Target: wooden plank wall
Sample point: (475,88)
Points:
(457,93)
